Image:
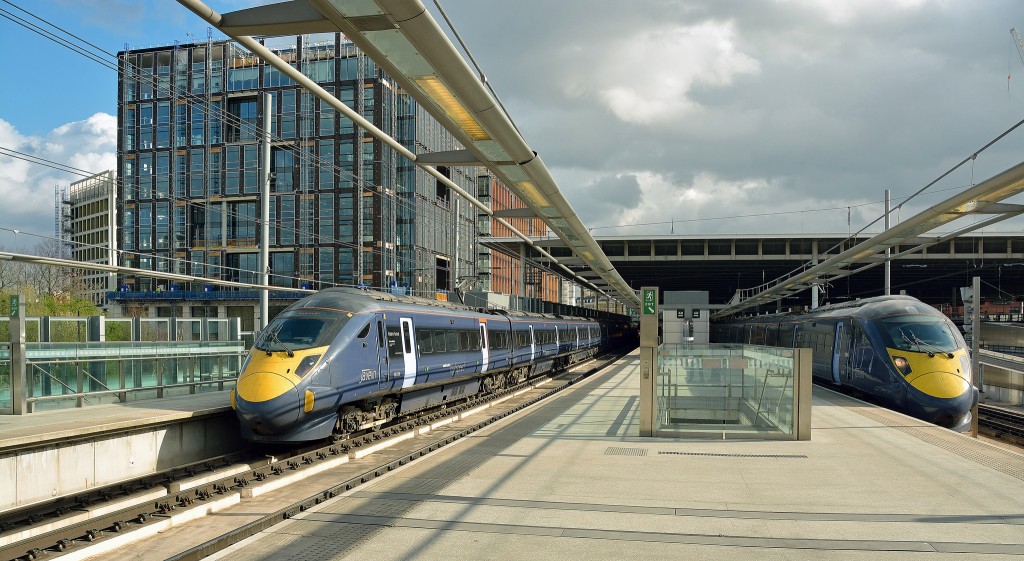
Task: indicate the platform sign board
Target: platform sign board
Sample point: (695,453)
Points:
(650,304)
(14,307)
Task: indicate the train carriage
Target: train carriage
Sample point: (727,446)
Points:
(344,360)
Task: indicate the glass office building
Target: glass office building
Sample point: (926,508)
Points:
(344,208)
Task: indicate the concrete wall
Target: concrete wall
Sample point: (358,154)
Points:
(64,469)
(683,312)
(1003,385)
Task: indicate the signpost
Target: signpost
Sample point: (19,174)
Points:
(650,301)
(648,358)
(16,330)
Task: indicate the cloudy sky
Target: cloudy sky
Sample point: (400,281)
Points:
(698,117)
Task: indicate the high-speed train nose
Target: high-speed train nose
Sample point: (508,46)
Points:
(267,403)
(942,398)
(940,384)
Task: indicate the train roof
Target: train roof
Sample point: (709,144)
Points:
(874,307)
(358,300)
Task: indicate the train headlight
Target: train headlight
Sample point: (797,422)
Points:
(902,364)
(306,364)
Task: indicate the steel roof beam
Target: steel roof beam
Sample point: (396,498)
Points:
(983,198)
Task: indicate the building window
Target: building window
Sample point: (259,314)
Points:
(326,264)
(326,229)
(198,124)
(146,226)
(216,118)
(287,220)
(163,124)
(197,174)
(242,224)
(145,176)
(162,226)
(287,120)
(243,79)
(282,268)
(274,78)
(320,70)
(232,168)
(180,173)
(327,114)
(326,165)
(283,179)
(181,129)
(242,119)
(163,173)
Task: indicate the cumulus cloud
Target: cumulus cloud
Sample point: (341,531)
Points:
(647,77)
(27,189)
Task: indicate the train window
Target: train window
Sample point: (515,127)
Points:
(380,334)
(394,341)
(464,343)
(474,341)
(497,339)
(407,338)
(439,346)
(425,340)
(452,341)
(364,332)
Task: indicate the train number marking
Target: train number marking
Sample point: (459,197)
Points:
(367,375)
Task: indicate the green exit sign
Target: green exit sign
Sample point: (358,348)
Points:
(650,302)
(14,307)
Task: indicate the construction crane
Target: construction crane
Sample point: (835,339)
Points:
(1019,41)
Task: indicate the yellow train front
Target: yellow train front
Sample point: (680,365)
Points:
(929,359)
(285,385)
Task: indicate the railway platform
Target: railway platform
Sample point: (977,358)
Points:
(571,479)
(64,452)
(62,425)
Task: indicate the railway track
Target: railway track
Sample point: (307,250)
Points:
(1001,423)
(138,509)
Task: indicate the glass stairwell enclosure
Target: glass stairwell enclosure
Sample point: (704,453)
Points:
(732,391)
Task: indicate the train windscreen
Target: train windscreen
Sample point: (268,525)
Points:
(297,331)
(920,334)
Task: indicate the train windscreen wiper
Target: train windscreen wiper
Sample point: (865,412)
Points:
(929,348)
(278,339)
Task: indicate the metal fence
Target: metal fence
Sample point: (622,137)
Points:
(75,362)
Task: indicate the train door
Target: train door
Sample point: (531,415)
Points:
(408,353)
(383,367)
(840,352)
(533,346)
(484,353)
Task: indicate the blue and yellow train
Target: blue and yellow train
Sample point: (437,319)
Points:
(896,350)
(344,360)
